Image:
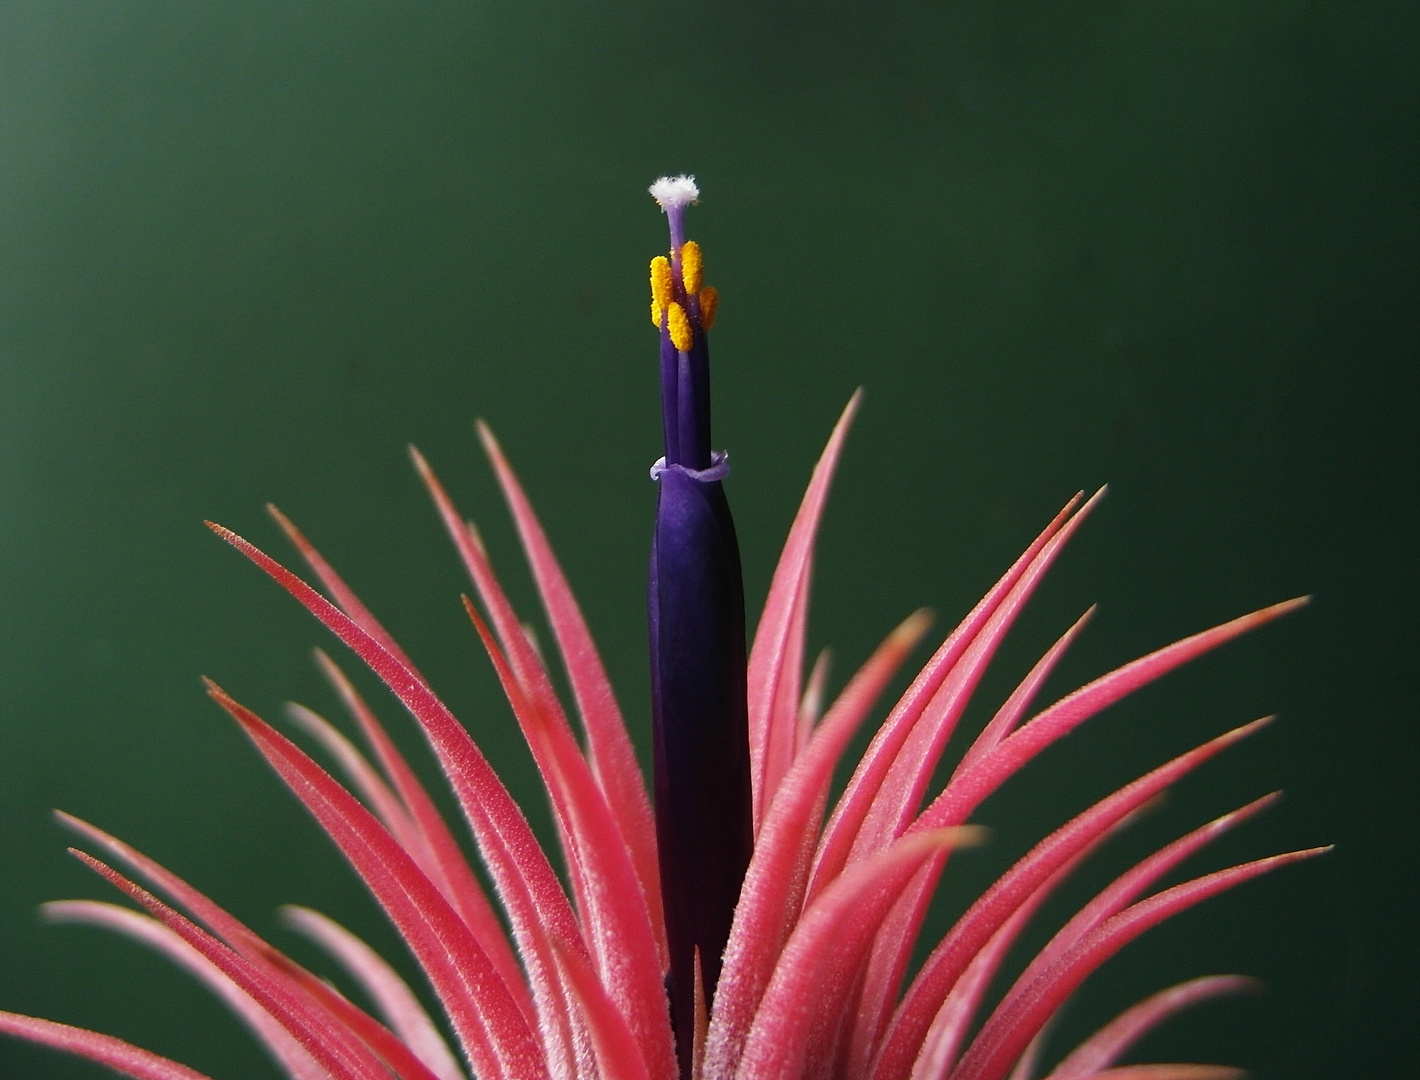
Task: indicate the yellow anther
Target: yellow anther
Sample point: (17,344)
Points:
(662,284)
(709,301)
(679,321)
(692,266)
(657,314)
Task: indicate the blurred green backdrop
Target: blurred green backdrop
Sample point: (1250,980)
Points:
(248,251)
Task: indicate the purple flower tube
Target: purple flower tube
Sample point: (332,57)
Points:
(704,827)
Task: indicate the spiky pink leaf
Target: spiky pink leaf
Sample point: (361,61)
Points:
(523,658)
(330,1043)
(365,780)
(817,967)
(447,867)
(616,921)
(613,758)
(949,1027)
(872,768)
(531,894)
(773,889)
(1025,1067)
(905,782)
(489,1023)
(293,1058)
(450,870)
(966,792)
(900,794)
(811,705)
(270,962)
(971,932)
(1014,707)
(392,996)
(777,651)
(618,1055)
(343,596)
(1111,1042)
(1130,885)
(105,1049)
(553,735)
(1021,1013)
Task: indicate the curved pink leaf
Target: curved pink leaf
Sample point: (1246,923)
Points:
(1111,1042)
(105,1049)
(1130,885)
(289,1054)
(615,917)
(774,884)
(902,789)
(818,965)
(489,1023)
(531,894)
(973,930)
(447,868)
(367,783)
(549,736)
(391,995)
(1014,707)
(269,961)
(617,1052)
(343,596)
(967,791)
(331,1044)
(613,758)
(1021,1013)
(776,654)
(872,768)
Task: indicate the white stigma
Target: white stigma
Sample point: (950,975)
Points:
(674,192)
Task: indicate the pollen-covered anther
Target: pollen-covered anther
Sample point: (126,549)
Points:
(681,334)
(692,266)
(662,288)
(709,301)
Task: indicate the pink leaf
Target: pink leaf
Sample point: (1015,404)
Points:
(900,794)
(525,880)
(488,1021)
(773,889)
(447,867)
(293,1058)
(777,651)
(549,736)
(1010,713)
(395,1001)
(615,917)
(1021,1013)
(1130,885)
(618,1055)
(817,967)
(868,776)
(269,961)
(367,783)
(330,1043)
(964,793)
(1112,1041)
(105,1049)
(950,958)
(613,758)
(340,592)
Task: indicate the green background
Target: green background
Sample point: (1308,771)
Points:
(248,251)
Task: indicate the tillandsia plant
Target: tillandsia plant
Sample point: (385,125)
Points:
(738,924)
